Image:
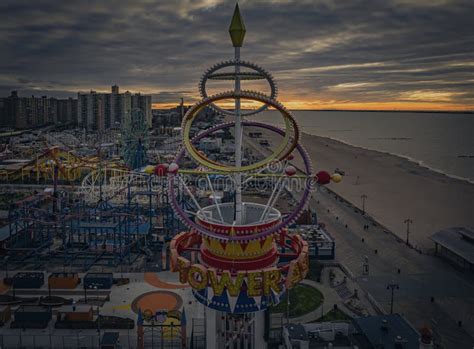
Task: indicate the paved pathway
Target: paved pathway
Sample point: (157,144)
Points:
(121,298)
(330,298)
(421,276)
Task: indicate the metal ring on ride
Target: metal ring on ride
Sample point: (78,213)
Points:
(287,220)
(232,63)
(241,75)
(284,149)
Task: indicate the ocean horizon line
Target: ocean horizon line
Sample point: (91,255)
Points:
(366,110)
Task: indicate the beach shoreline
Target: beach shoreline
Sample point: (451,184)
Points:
(417,162)
(414,161)
(397,188)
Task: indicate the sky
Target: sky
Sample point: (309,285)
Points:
(324,54)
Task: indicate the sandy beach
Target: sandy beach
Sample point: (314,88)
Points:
(396,188)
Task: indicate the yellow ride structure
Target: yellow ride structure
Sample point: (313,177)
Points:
(70,167)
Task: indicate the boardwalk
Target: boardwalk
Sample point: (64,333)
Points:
(421,276)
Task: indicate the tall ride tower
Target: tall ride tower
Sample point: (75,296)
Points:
(238,256)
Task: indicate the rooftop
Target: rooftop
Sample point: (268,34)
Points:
(93,275)
(388,331)
(79,308)
(33,309)
(110,338)
(458,240)
(297,331)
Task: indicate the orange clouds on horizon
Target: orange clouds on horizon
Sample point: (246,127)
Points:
(383,106)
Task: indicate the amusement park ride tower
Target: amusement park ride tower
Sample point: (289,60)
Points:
(237,256)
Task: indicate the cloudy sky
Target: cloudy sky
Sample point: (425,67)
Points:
(390,54)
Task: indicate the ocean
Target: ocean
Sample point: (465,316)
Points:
(443,142)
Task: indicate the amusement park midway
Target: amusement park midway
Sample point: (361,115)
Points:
(209,227)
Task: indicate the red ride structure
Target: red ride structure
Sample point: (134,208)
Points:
(238,256)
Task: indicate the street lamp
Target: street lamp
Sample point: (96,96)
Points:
(152,327)
(98,323)
(6,266)
(363,197)
(85,292)
(392,286)
(408,221)
(49,289)
(288,306)
(98,320)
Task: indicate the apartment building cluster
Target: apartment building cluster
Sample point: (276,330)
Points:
(29,112)
(92,110)
(102,111)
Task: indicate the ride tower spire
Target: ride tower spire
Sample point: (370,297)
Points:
(237,34)
(243,259)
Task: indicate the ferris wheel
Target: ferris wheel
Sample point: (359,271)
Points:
(135,140)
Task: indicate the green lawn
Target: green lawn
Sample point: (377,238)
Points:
(334,315)
(303,299)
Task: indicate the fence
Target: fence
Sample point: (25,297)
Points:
(80,340)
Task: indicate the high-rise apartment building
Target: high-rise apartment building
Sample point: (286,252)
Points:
(67,111)
(29,112)
(102,111)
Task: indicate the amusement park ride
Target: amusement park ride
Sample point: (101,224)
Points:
(107,214)
(237,254)
(56,163)
(135,140)
(238,257)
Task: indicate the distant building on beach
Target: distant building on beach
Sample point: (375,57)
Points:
(456,245)
(103,111)
(382,331)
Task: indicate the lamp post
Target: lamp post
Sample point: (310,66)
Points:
(6,266)
(363,197)
(98,323)
(408,221)
(392,287)
(152,327)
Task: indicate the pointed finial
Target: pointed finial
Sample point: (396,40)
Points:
(237,28)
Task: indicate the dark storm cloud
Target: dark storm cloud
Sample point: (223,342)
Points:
(377,51)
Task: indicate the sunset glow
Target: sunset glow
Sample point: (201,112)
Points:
(391,55)
(334,105)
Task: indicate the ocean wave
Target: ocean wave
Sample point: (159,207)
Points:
(391,138)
